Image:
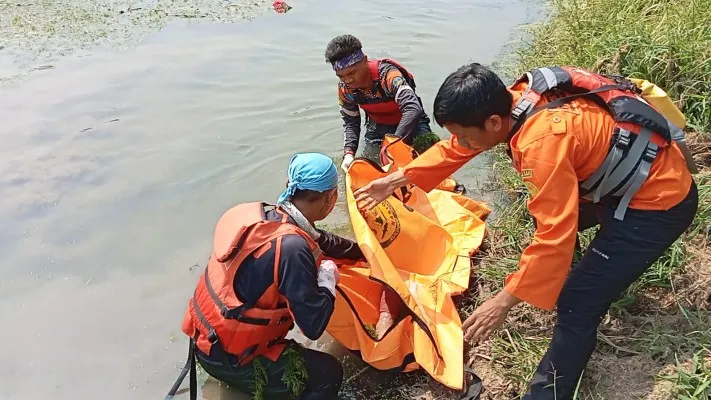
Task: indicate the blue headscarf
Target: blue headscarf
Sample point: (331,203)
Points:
(310,171)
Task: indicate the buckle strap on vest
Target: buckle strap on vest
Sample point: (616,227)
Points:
(637,180)
(620,143)
(615,158)
(215,340)
(629,170)
(626,165)
(211,334)
(232,313)
(524,103)
(521,108)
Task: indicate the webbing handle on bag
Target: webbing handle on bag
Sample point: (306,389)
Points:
(474,390)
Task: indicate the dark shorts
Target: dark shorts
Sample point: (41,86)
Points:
(322,380)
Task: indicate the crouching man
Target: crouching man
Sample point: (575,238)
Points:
(266,272)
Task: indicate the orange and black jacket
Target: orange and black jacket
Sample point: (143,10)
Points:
(310,304)
(390,85)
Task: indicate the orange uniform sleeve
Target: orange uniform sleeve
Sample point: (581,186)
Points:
(548,171)
(438,163)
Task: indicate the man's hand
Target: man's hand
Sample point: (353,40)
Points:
(488,317)
(347,160)
(328,276)
(378,190)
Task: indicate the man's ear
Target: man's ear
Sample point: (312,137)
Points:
(495,123)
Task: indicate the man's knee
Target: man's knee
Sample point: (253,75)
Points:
(333,370)
(325,372)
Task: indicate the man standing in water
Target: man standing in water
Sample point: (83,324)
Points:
(267,271)
(605,157)
(384,89)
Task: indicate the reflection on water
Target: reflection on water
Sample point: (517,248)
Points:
(115,167)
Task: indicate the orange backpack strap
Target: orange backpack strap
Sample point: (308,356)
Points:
(374,70)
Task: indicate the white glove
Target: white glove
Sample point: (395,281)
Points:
(328,276)
(347,160)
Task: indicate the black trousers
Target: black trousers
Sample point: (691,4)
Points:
(324,374)
(618,255)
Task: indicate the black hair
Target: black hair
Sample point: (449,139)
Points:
(470,95)
(341,46)
(309,196)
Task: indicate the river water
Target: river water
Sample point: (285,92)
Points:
(114,167)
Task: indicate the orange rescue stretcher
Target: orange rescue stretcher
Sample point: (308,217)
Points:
(418,245)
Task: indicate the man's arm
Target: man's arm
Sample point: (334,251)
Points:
(410,108)
(350,112)
(310,305)
(426,171)
(438,163)
(337,247)
(547,168)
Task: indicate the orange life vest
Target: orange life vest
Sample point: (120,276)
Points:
(215,316)
(386,111)
(640,130)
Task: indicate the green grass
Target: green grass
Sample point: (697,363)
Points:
(668,43)
(261,378)
(424,142)
(665,41)
(295,375)
(519,353)
(702,224)
(692,380)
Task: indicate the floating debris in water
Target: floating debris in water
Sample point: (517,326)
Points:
(281,7)
(38,32)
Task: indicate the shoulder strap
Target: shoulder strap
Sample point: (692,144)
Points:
(540,81)
(404,71)
(528,111)
(374,70)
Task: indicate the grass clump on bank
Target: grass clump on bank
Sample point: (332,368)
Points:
(655,343)
(665,41)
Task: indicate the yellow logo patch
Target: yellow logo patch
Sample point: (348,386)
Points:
(532,189)
(527,173)
(384,223)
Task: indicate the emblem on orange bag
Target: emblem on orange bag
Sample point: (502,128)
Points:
(384,223)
